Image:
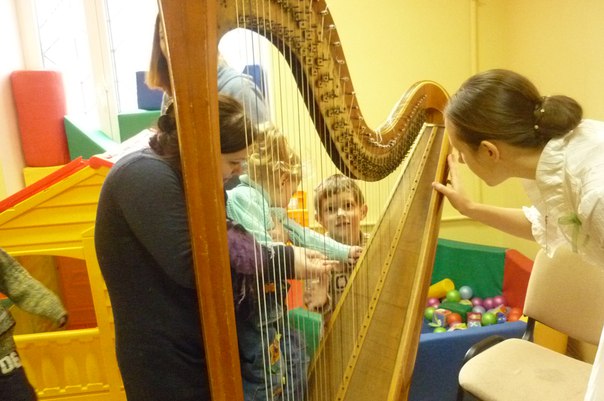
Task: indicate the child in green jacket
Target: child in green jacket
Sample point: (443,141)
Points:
(30,295)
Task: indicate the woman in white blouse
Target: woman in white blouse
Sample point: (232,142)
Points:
(501,127)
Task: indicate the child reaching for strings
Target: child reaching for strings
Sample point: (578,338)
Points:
(340,207)
(259,204)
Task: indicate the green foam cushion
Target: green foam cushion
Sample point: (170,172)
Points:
(310,324)
(480,267)
(132,123)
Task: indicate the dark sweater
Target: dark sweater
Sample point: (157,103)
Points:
(144,251)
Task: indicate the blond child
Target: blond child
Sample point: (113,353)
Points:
(259,204)
(340,207)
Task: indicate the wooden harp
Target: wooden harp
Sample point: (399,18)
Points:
(374,358)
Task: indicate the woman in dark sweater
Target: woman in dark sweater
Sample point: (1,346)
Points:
(144,251)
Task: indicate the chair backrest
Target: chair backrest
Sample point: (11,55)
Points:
(567,294)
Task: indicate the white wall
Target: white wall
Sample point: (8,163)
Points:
(11,156)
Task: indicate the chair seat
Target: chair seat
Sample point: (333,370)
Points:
(497,375)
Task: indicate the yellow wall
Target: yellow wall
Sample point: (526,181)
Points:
(391,44)
(388,49)
(556,43)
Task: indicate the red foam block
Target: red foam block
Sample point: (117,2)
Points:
(40,103)
(516,272)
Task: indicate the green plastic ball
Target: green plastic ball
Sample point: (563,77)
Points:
(453,296)
(429,313)
(488,318)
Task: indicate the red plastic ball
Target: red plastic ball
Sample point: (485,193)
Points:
(514,314)
(453,318)
(516,310)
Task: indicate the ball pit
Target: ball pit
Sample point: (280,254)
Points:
(451,311)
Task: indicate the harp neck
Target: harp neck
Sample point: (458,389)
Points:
(305,34)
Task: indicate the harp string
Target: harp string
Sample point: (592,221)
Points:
(286,109)
(302,129)
(263,305)
(276,298)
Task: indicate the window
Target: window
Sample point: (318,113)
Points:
(64,47)
(131,25)
(98,45)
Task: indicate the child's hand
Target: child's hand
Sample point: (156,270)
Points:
(309,263)
(279,233)
(62,321)
(354,254)
(316,293)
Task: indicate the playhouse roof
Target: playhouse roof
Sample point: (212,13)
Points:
(50,215)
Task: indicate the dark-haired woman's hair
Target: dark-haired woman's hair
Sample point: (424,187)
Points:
(504,105)
(236,131)
(165,141)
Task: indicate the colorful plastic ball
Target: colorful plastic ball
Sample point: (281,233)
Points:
(499,300)
(516,310)
(454,318)
(466,292)
(488,319)
(453,296)
(514,314)
(477,301)
(479,309)
(433,301)
(429,313)
(466,302)
(440,330)
(501,318)
(488,303)
(498,309)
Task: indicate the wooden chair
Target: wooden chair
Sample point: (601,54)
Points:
(565,294)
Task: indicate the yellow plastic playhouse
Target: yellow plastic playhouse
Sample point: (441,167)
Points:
(54,217)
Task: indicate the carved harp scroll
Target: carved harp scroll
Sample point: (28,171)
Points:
(305,34)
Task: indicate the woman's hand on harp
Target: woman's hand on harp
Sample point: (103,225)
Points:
(453,189)
(309,263)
